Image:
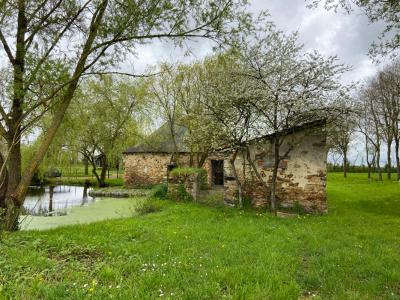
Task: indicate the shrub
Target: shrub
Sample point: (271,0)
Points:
(159,191)
(184,172)
(146,206)
(182,194)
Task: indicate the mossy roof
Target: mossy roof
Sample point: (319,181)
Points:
(160,141)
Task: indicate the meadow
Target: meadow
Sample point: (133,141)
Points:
(194,251)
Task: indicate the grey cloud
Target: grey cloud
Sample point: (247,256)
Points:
(347,36)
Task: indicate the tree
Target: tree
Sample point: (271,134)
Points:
(226,105)
(366,128)
(370,108)
(340,133)
(163,95)
(45,73)
(388,85)
(101,122)
(380,112)
(290,88)
(387,11)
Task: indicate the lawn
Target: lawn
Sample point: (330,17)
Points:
(191,251)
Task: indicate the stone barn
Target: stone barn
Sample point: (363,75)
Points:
(301,178)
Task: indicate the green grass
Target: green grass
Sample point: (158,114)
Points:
(191,251)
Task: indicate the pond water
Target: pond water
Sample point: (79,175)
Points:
(55,200)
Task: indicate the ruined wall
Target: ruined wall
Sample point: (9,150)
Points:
(184,187)
(148,168)
(301,175)
(151,168)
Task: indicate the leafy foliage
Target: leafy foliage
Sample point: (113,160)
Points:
(146,206)
(159,191)
(184,172)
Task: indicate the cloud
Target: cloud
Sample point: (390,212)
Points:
(347,36)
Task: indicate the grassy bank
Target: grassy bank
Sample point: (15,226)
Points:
(84,180)
(189,251)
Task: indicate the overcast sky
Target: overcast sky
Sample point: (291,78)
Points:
(347,36)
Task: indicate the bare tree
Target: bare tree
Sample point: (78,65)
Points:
(340,134)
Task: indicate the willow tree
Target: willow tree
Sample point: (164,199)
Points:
(50,44)
(101,121)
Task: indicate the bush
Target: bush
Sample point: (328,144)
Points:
(159,191)
(182,194)
(146,206)
(184,172)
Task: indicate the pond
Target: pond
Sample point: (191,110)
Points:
(55,200)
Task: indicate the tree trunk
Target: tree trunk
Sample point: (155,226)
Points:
(238,183)
(202,159)
(258,175)
(13,206)
(369,172)
(3,183)
(345,163)
(273,204)
(389,159)
(378,166)
(104,168)
(94,172)
(397,146)
(15,197)
(86,164)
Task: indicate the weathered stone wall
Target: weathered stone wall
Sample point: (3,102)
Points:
(148,168)
(151,168)
(190,183)
(301,176)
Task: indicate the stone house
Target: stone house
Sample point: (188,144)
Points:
(301,176)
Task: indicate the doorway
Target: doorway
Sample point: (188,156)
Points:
(217,172)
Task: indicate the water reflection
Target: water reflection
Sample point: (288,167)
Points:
(54,200)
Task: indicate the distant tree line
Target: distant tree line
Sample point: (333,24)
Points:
(374,114)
